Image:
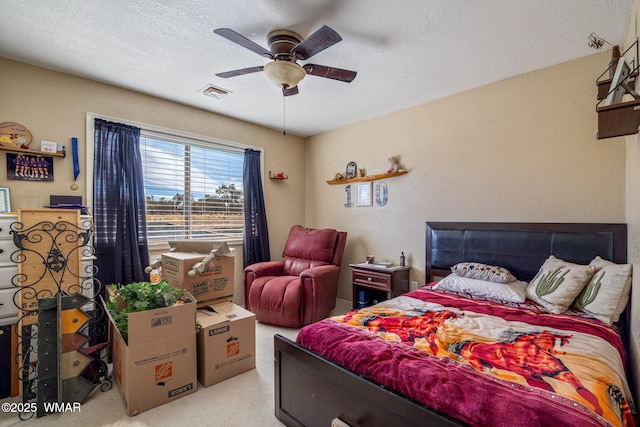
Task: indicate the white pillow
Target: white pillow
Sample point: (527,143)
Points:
(607,293)
(514,291)
(558,283)
(476,270)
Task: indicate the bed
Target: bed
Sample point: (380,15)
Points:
(460,368)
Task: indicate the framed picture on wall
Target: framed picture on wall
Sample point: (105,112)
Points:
(5,200)
(352,170)
(364,194)
(28,167)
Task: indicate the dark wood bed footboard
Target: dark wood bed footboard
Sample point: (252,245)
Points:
(311,391)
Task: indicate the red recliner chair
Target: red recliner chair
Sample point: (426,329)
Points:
(302,288)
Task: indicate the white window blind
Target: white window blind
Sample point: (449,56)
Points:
(193,189)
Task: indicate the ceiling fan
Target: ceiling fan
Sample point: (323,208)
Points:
(286,48)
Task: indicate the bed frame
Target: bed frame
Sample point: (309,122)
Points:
(312,391)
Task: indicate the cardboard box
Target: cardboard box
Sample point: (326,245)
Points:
(213,285)
(158,364)
(226,342)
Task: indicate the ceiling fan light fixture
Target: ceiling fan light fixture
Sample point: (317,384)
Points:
(284,74)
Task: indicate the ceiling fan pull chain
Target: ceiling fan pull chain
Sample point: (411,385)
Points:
(284,132)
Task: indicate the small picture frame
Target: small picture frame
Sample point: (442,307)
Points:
(364,194)
(48,146)
(352,170)
(5,200)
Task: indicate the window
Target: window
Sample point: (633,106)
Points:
(193,188)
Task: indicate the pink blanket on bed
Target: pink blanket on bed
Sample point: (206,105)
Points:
(483,363)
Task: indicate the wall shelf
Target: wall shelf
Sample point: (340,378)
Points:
(33,152)
(278,176)
(618,117)
(366,178)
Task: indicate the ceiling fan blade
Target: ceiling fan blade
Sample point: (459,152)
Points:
(290,91)
(231,35)
(330,72)
(315,43)
(240,72)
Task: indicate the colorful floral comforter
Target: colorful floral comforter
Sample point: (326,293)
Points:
(484,363)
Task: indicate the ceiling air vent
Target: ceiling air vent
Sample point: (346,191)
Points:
(214,91)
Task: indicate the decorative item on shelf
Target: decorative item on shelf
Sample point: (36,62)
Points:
(394,164)
(402,259)
(596,42)
(14,135)
(279,175)
(338,176)
(351,171)
(361,173)
(48,146)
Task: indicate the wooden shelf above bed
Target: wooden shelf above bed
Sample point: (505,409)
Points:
(366,178)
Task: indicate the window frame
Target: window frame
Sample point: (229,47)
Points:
(147,129)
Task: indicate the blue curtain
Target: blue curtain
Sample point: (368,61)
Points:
(256,236)
(120,229)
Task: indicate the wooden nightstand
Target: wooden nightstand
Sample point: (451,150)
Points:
(372,284)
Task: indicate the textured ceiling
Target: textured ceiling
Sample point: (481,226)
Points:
(405,52)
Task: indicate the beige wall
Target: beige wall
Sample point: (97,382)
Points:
(53,107)
(523,149)
(633,215)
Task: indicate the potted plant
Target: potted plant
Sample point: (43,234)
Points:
(140,296)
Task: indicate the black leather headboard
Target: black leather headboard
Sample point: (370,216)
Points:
(520,247)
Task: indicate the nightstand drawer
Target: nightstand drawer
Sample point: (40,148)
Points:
(372,279)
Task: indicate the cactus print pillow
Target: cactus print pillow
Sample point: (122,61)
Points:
(558,283)
(476,270)
(607,293)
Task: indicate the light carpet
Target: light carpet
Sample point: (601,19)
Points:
(243,401)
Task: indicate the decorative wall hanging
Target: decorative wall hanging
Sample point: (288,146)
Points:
(279,175)
(349,203)
(25,167)
(364,196)
(382,193)
(13,135)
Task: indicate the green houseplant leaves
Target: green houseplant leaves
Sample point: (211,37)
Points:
(140,296)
